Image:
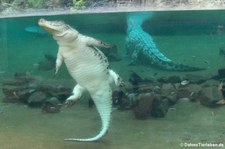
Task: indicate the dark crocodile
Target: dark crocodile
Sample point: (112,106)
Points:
(142,49)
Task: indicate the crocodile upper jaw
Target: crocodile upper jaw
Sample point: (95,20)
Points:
(43,23)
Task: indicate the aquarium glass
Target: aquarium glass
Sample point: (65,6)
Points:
(170,59)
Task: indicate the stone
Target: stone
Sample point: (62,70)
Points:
(20,87)
(53,101)
(62,93)
(170,79)
(11,99)
(135,79)
(21,93)
(37,99)
(51,105)
(49,108)
(183,93)
(189,91)
(209,96)
(160,106)
(193,78)
(124,101)
(145,87)
(143,106)
(169,91)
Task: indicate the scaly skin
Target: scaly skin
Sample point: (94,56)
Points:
(88,66)
(141,47)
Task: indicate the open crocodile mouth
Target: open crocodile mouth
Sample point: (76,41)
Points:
(51,28)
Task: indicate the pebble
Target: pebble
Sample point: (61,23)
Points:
(185,82)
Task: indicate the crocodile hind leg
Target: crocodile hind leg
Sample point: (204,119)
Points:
(103,101)
(77,92)
(116,78)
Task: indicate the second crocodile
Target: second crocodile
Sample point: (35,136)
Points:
(141,47)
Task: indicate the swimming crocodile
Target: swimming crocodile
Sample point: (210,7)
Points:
(88,66)
(142,49)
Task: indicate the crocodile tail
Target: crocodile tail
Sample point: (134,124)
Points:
(140,17)
(103,101)
(137,19)
(181,67)
(178,67)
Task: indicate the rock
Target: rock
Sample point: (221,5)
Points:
(143,106)
(160,106)
(21,93)
(117,97)
(209,96)
(146,87)
(62,93)
(198,79)
(140,85)
(28,89)
(49,108)
(11,99)
(184,82)
(183,93)
(124,101)
(37,99)
(189,91)
(20,87)
(135,79)
(53,101)
(52,105)
(171,79)
(10,90)
(169,90)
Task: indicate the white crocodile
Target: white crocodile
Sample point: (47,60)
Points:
(89,68)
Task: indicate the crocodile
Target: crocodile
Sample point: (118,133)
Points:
(142,49)
(88,66)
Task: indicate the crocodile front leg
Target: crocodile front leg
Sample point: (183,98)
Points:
(98,43)
(59,61)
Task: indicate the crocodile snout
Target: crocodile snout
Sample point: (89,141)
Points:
(41,21)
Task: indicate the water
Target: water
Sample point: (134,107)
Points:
(192,38)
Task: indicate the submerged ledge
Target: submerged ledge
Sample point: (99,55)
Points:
(50,12)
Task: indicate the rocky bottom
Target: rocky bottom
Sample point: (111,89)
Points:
(185,122)
(176,111)
(144,97)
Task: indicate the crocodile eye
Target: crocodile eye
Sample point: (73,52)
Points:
(57,23)
(65,28)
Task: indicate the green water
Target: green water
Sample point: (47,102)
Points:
(187,37)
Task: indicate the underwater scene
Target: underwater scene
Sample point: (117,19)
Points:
(143,80)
